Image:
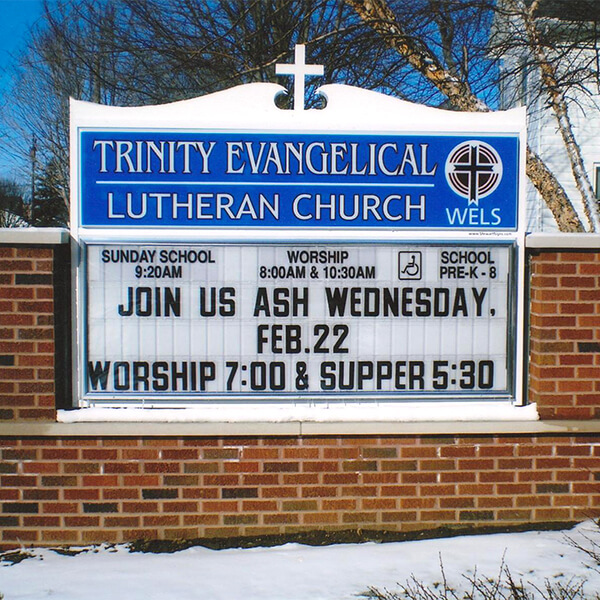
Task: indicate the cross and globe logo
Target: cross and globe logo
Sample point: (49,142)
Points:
(473,170)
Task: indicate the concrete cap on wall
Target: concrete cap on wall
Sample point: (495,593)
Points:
(34,235)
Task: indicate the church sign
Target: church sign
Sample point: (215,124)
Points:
(243,179)
(230,250)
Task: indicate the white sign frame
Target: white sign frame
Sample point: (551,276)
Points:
(251,108)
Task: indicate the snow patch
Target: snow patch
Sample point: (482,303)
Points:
(409,412)
(296,572)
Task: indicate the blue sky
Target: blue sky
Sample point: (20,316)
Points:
(16,17)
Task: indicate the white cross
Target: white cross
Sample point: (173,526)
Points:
(299,70)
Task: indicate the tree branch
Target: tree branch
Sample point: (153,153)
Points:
(378,15)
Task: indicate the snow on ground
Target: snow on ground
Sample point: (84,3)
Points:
(297,572)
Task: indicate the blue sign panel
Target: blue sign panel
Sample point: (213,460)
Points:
(211,179)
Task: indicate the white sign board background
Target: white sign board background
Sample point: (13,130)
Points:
(198,321)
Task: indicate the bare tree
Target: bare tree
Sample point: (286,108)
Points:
(13,210)
(563,55)
(379,15)
(131,52)
(127,53)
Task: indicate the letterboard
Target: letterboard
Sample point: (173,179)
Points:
(198,321)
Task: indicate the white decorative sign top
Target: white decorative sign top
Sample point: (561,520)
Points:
(299,70)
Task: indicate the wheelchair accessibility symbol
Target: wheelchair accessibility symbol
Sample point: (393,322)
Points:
(409,265)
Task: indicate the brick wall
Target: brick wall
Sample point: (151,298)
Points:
(27,343)
(564,371)
(58,488)
(56,491)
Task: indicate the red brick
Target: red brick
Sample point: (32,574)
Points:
(162,467)
(458,451)
(554,294)
(16,266)
(219,506)
(344,452)
(362,490)
(176,454)
(322,466)
(589,269)
(60,507)
(221,453)
(37,521)
(359,517)
(339,504)
(319,492)
(260,479)
(281,467)
(540,323)
(301,453)
(122,467)
(438,516)
(98,454)
(259,505)
(221,480)
(121,494)
(20,535)
(457,502)
(242,467)
(418,477)
(180,506)
(551,514)
(340,478)
(41,467)
(458,477)
(305,479)
(160,520)
(575,386)
(100,480)
(121,521)
(515,463)
(140,454)
(389,477)
(37,252)
(140,534)
(254,453)
(495,502)
(578,282)
(399,516)
(81,494)
(20,481)
(514,489)
(536,475)
(576,334)
(574,451)
(38,306)
(437,490)
(321,518)
(16,374)
(141,480)
(549,268)
(281,519)
(140,507)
